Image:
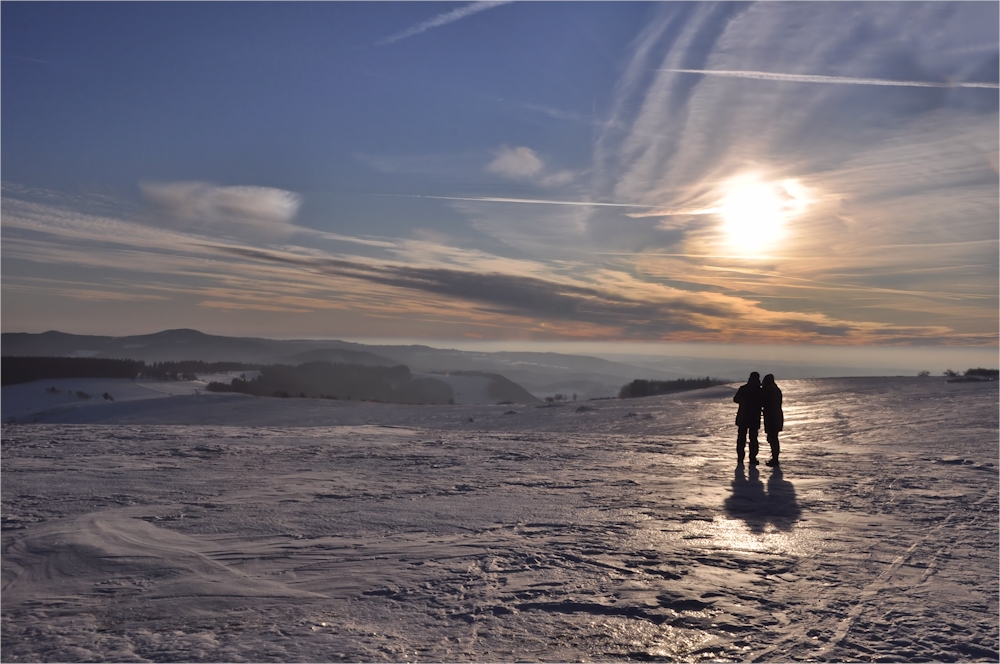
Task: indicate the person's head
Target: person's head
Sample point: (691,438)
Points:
(754,378)
(768,379)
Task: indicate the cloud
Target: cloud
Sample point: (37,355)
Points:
(524,164)
(843,80)
(519,163)
(544,232)
(676,212)
(74,290)
(620,307)
(515,295)
(558,178)
(671,133)
(261,212)
(891,150)
(442,19)
(425,283)
(531,201)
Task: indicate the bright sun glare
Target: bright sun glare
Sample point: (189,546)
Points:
(754,213)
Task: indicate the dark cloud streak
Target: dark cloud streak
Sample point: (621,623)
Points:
(548,300)
(518,295)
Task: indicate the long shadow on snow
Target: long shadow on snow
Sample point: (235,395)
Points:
(756,508)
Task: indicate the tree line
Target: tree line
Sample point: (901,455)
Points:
(648,388)
(16,369)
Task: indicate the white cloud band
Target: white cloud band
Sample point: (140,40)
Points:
(818,78)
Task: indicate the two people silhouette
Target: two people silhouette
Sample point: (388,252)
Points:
(758,398)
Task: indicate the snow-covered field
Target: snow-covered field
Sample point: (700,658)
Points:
(26,401)
(232,528)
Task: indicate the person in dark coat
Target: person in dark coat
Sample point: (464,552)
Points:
(748,417)
(774,418)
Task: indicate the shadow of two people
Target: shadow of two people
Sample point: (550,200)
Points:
(750,503)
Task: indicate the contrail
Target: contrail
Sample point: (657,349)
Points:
(533,201)
(537,201)
(655,210)
(443,19)
(818,78)
(673,213)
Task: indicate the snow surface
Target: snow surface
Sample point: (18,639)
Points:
(233,528)
(25,401)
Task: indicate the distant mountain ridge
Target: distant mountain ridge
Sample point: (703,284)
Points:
(165,346)
(341,356)
(538,373)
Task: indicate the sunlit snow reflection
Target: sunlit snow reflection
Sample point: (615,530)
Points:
(658,641)
(735,535)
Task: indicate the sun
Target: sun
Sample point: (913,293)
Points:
(754,213)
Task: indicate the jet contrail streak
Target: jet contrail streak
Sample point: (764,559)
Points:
(443,19)
(818,78)
(655,210)
(536,201)
(673,213)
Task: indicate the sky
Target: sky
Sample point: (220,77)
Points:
(776,173)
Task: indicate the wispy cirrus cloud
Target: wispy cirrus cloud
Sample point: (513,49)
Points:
(675,133)
(78,291)
(442,19)
(899,150)
(616,306)
(423,281)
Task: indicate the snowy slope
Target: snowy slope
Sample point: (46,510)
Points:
(31,402)
(471,387)
(232,528)
(28,400)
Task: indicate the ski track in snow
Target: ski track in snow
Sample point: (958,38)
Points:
(377,532)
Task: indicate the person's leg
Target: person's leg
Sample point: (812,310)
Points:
(741,443)
(754,446)
(772,440)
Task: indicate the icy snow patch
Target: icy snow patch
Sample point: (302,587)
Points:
(376,532)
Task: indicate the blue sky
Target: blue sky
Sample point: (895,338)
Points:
(779,173)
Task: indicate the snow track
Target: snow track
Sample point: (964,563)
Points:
(403,533)
(872,590)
